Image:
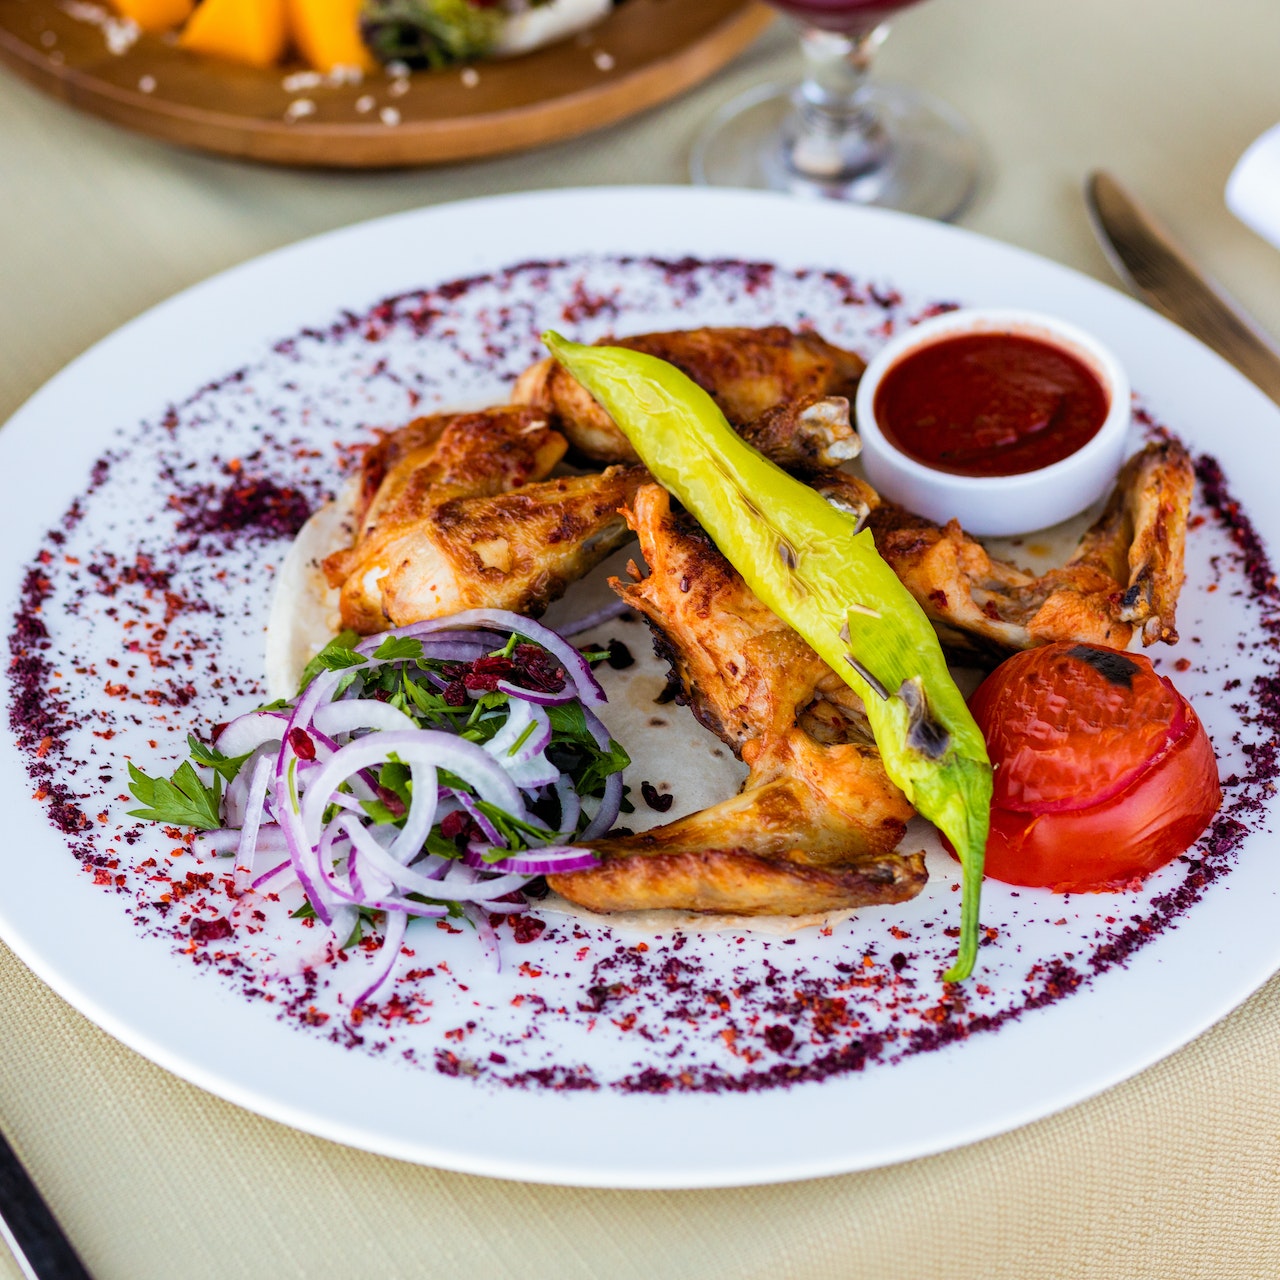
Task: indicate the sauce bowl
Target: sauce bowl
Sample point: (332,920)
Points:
(999,505)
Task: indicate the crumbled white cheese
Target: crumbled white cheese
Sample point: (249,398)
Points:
(147,84)
(470,77)
(366,103)
(341,75)
(301,80)
(603,61)
(398,88)
(389,116)
(299,108)
(121,33)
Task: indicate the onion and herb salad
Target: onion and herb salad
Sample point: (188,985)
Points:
(427,771)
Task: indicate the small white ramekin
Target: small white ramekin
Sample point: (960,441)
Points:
(998,506)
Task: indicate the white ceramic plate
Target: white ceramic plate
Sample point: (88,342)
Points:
(673,1042)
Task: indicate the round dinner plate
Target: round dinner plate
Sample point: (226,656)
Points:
(286,363)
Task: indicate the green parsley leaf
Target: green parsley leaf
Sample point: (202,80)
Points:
(399,649)
(337,654)
(225,766)
(591,780)
(183,800)
(380,813)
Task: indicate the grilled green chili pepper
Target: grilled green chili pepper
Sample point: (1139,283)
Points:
(810,565)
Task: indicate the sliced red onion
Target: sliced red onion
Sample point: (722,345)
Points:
(347,717)
(436,634)
(267,876)
(525,720)
(457,887)
(606,613)
(254,806)
(570,805)
(576,666)
(520,718)
(607,814)
(487,934)
(248,732)
(407,879)
(533,774)
(302,853)
(541,862)
(478,816)
(236,796)
(219,843)
(597,729)
(392,940)
(280,798)
(428,747)
(542,698)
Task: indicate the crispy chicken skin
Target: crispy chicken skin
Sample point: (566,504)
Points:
(410,473)
(1123,578)
(453,512)
(816,823)
(748,372)
(515,551)
(453,455)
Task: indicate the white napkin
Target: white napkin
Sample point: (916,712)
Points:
(1253,190)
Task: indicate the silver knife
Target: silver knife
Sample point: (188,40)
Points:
(1156,269)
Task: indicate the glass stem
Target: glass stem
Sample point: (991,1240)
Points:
(836,136)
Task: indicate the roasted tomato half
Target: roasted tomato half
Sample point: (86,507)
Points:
(1103,772)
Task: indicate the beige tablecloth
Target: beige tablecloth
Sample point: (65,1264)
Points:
(1176,1173)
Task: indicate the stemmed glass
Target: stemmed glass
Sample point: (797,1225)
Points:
(839,134)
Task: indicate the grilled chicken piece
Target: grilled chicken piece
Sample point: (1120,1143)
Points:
(748,372)
(408,479)
(453,455)
(517,550)
(453,513)
(1124,576)
(815,825)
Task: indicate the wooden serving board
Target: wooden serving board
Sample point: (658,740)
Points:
(643,53)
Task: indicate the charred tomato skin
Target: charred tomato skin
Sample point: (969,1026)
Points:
(1103,771)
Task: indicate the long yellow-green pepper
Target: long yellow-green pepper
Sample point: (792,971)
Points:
(808,563)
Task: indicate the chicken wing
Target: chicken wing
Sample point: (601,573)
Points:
(410,473)
(453,512)
(1125,575)
(748,372)
(816,822)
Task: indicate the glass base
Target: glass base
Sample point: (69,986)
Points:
(929,163)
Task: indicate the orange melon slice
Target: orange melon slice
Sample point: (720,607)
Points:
(250,31)
(327,33)
(155,16)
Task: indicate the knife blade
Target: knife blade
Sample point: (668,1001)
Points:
(1158,271)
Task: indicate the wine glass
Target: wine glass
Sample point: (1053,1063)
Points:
(839,134)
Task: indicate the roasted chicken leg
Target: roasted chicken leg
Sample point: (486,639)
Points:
(815,825)
(1124,576)
(749,372)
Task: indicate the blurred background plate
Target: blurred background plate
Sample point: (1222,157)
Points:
(645,52)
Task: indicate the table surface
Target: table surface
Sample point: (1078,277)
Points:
(1172,1173)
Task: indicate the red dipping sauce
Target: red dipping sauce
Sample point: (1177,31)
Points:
(990,404)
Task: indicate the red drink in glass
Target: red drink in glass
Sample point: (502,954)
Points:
(841,15)
(838,134)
